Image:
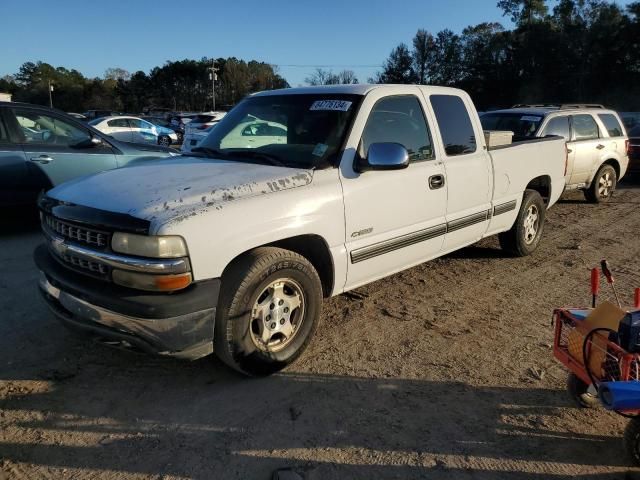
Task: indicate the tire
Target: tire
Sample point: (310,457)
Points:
(602,186)
(632,440)
(269,309)
(164,140)
(524,236)
(579,392)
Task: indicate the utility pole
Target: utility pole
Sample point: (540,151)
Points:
(213,76)
(50,96)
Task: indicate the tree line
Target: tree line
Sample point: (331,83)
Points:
(180,85)
(579,51)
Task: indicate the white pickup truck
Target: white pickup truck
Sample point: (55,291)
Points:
(231,249)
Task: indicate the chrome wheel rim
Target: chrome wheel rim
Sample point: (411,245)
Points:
(531,224)
(605,185)
(277,315)
(164,141)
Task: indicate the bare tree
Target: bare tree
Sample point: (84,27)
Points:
(423,54)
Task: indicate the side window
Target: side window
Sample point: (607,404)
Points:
(584,127)
(455,124)
(612,124)
(135,123)
(558,126)
(38,128)
(4,134)
(399,120)
(118,123)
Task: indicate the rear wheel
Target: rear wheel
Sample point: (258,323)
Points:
(632,440)
(524,236)
(602,186)
(270,306)
(164,140)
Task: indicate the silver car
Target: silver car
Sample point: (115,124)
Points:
(597,144)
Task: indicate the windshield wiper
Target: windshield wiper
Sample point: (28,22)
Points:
(271,159)
(209,152)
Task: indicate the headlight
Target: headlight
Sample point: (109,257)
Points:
(169,246)
(153,283)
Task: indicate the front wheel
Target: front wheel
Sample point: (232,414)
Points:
(164,141)
(524,236)
(602,186)
(270,307)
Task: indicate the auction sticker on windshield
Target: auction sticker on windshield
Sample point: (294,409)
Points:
(335,105)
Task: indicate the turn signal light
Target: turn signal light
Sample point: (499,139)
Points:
(151,283)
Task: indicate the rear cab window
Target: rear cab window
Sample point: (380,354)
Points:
(523,125)
(455,125)
(399,119)
(611,124)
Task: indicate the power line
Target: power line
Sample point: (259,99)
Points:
(327,66)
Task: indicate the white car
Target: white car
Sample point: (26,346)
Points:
(232,248)
(135,130)
(198,128)
(255,134)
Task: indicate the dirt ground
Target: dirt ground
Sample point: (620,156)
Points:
(444,371)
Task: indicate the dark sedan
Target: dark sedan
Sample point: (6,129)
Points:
(41,147)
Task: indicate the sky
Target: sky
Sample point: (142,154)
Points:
(91,36)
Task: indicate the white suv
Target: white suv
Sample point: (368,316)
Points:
(597,145)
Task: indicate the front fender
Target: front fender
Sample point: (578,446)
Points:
(221,233)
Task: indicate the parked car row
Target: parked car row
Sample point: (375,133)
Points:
(293,196)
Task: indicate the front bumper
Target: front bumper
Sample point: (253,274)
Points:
(179,324)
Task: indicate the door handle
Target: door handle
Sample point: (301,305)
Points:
(44,159)
(436,181)
(569,150)
(600,147)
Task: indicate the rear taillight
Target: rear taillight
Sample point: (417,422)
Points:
(566,159)
(626,146)
(204,126)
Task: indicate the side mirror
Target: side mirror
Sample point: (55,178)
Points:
(383,156)
(87,143)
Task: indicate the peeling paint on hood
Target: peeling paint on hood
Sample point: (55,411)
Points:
(174,189)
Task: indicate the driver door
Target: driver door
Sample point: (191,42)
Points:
(48,143)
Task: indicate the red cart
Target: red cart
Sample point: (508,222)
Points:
(593,357)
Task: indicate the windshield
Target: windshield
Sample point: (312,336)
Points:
(522,125)
(303,131)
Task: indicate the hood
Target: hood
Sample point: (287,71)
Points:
(176,188)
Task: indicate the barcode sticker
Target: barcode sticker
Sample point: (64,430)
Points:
(334,105)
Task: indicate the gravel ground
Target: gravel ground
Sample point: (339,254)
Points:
(444,371)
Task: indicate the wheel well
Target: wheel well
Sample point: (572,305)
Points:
(614,163)
(316,250)
(542,185)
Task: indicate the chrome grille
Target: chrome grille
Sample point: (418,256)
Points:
(94,267)
(84,235)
